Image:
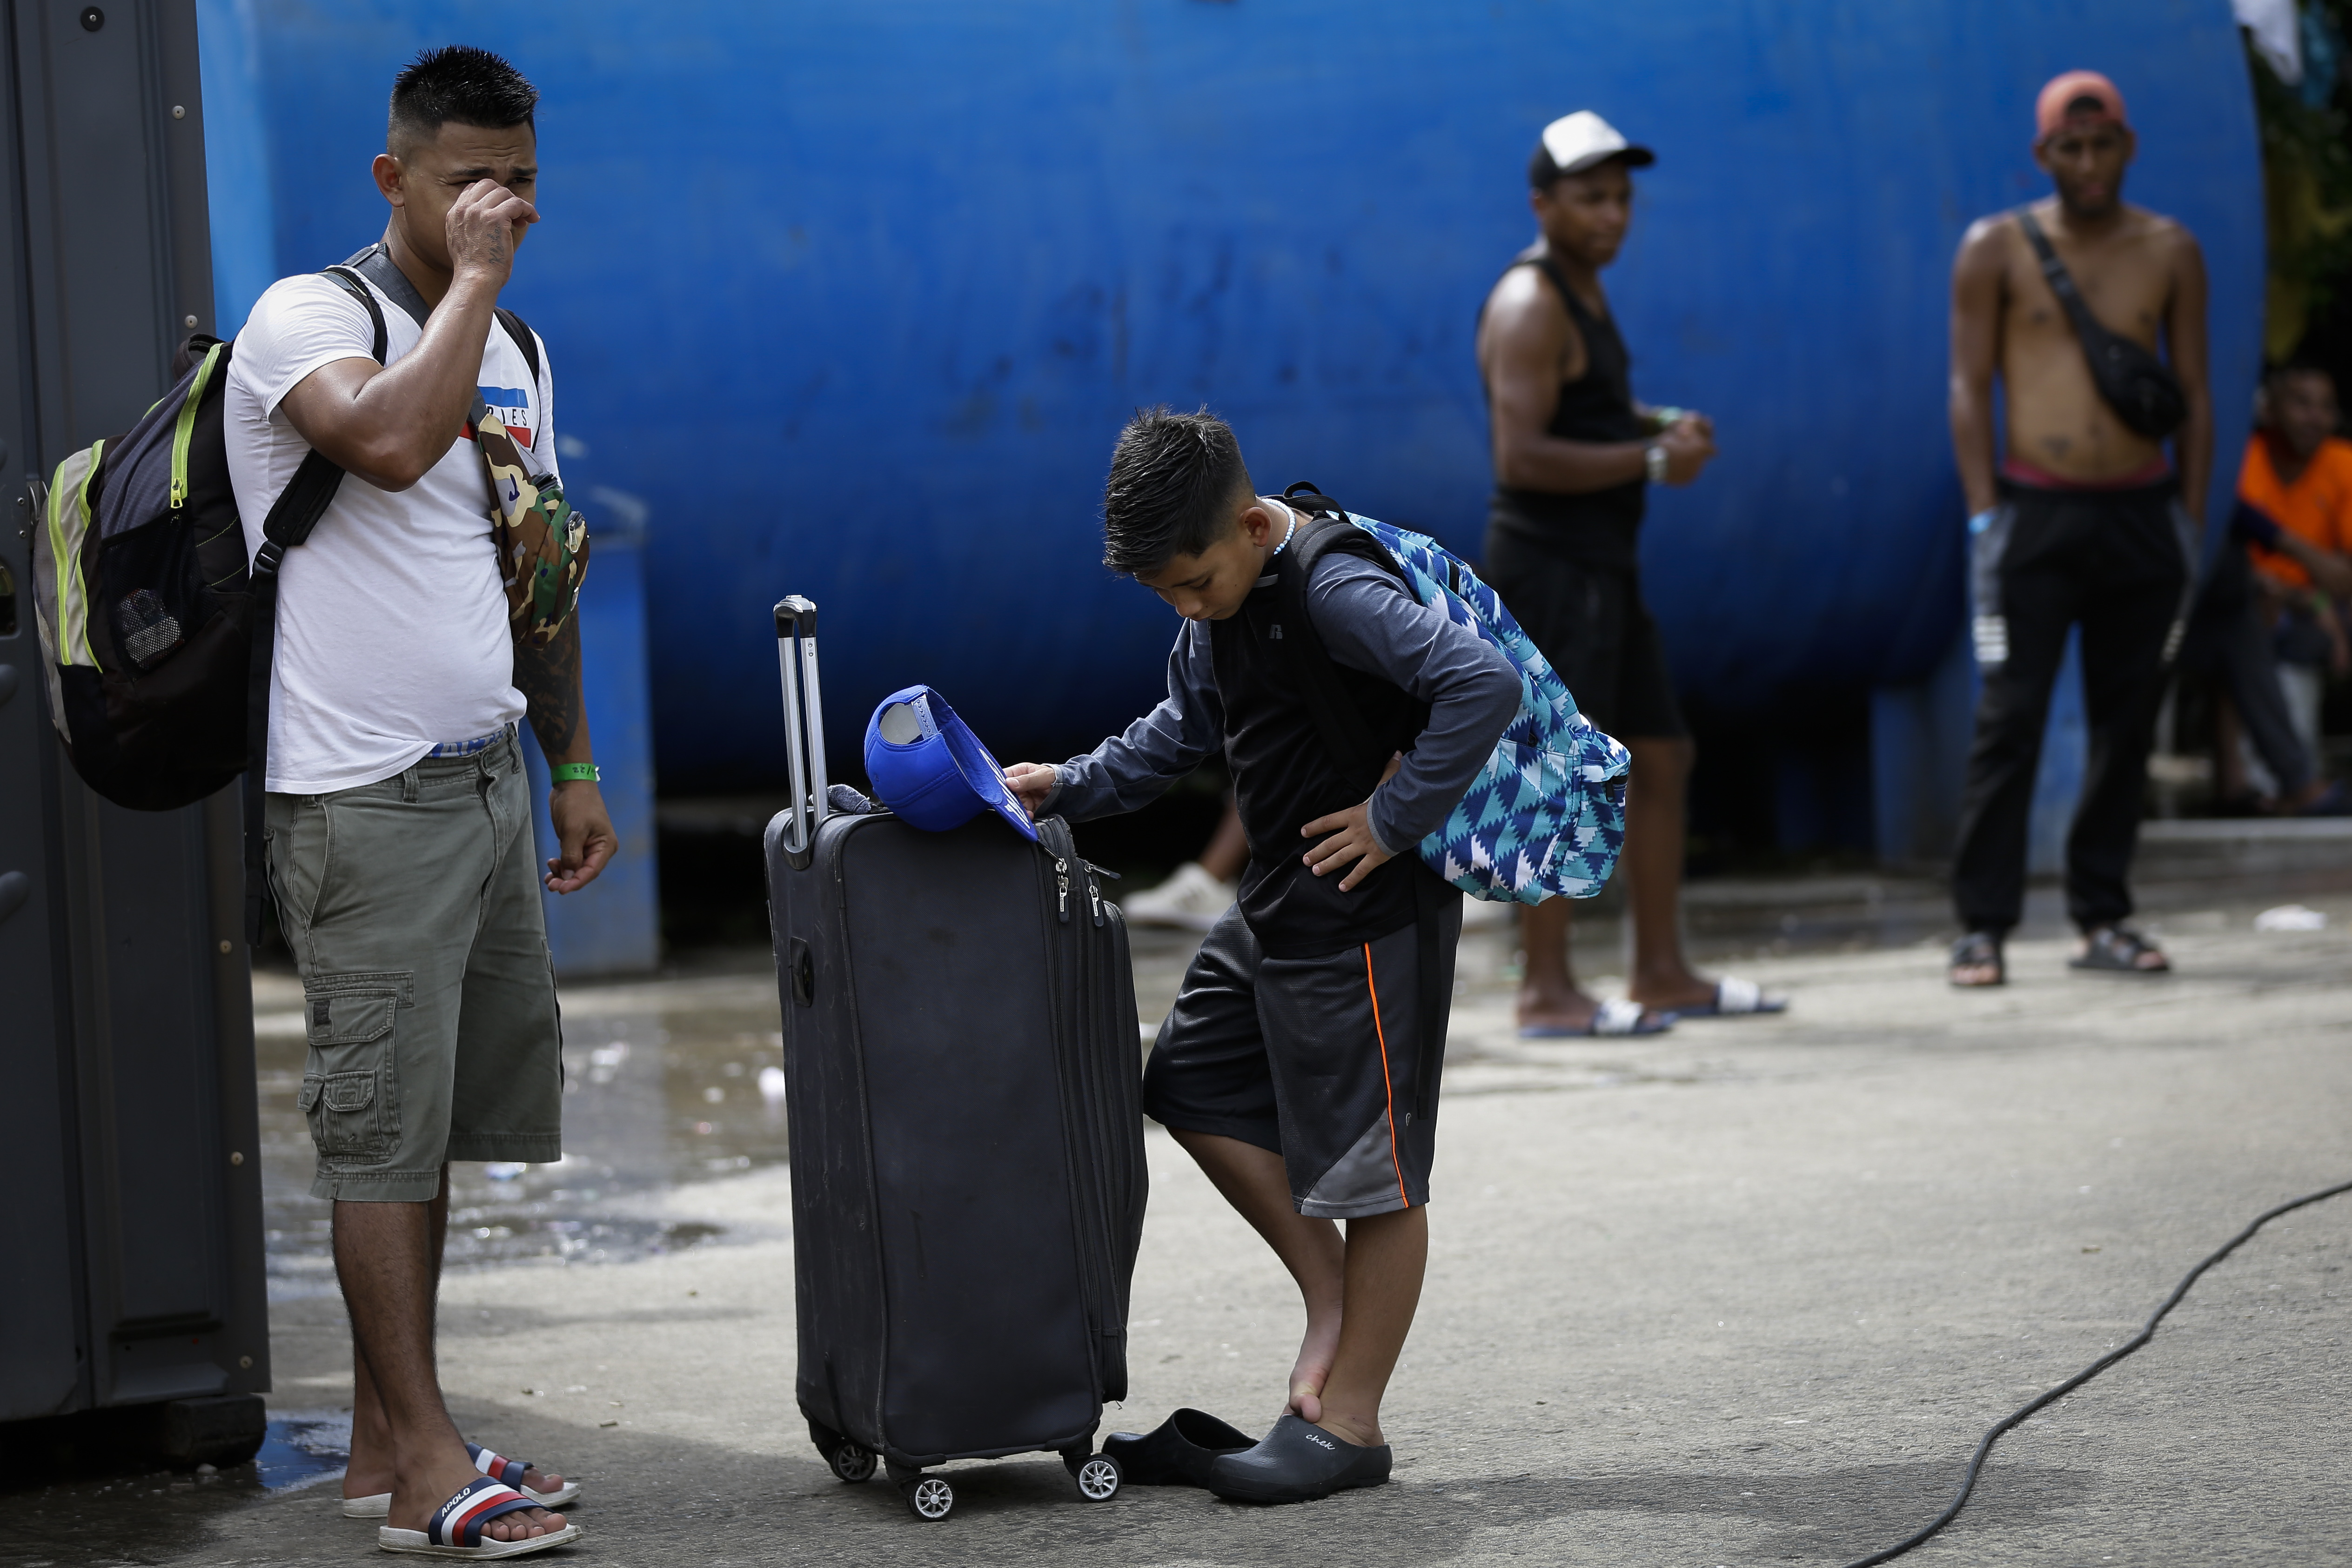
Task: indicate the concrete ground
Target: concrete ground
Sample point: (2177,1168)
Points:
(1746,1293)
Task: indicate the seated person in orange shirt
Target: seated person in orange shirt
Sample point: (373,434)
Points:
(2232,644)
(2298,472)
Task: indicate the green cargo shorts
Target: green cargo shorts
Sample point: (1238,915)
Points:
(412,909)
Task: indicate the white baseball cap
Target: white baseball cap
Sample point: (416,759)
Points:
(1577,141)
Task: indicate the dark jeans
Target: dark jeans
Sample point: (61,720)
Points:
(2118,563)
(2229,644)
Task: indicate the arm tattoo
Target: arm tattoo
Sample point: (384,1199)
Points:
(548,680)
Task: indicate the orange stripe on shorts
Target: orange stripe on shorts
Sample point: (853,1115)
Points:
(1387,1087)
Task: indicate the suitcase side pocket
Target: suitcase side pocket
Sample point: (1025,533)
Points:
(1074,976)
(1116,1047)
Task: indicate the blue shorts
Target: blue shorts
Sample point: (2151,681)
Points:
(1320,1060)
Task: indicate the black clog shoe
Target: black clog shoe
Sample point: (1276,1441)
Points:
(1297,1462)
(1178,1453)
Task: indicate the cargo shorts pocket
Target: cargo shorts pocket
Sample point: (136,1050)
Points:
(350,1082)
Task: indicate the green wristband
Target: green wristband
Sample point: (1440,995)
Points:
(574,773)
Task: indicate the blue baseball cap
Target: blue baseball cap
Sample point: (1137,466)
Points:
(928,767)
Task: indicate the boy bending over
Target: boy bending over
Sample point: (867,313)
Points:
(1295,1068)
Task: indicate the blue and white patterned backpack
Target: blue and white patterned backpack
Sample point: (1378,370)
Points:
(1546,817)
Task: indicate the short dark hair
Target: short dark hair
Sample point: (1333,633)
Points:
(470,86)
(1172,478)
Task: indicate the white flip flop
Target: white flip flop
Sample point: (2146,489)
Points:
(456,1527)
(378,1505)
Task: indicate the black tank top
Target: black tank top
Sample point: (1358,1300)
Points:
(1284,777)
(1596,527)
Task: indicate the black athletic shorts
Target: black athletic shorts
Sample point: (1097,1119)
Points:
(1590,621)
(1317,1059)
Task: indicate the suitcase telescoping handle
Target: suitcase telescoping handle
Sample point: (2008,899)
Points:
(804,722)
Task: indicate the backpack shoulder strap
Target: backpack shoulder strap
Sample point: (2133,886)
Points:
(1313,543)
(305,499)
(376,263)
(349,282)
(1360,754)
(1306,496)
(292,516)
(1344,733)
(524,338)
(297,509)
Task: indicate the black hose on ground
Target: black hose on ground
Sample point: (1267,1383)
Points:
(1968,1481)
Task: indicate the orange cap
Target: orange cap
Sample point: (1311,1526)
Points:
(2077,95)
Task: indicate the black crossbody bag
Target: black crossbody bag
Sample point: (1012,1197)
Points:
(2140,388)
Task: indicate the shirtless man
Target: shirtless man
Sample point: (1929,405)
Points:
(1573,453)
(2080,522)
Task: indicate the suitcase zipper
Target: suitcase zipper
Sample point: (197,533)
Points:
(1113,1094)
(1108,1319)
(1091,1154)
(1106,1050)
(1094,887)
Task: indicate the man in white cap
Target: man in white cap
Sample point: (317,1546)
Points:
(1574,453)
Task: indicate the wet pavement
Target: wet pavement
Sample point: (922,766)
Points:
(1744,1292)
(662,1084)
(678,1079)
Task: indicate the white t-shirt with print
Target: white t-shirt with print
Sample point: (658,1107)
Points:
(392,623)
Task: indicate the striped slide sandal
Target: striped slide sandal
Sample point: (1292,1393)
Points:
(509,1472)
(456,1527)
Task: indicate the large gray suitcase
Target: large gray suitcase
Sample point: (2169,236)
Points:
(964,1067)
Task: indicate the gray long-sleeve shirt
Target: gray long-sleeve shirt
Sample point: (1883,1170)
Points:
(1368,622)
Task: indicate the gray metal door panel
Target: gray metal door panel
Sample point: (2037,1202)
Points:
(96,247)
(127,1119)
(149,1099)
(41,1369)
(169,1128)
(243,1354)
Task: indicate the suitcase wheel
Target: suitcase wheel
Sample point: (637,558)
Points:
(849,1460)
(1098,1478)
(928,1497)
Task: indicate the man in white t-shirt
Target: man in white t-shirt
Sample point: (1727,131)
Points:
(398,824)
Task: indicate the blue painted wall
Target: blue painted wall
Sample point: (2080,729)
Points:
(612,926)
(240,176)
(857,297)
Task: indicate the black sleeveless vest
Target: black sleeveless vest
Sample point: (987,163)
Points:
(1284,776)
(1596,527)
